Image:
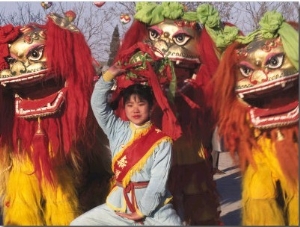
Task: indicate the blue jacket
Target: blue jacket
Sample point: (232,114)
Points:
(157,167)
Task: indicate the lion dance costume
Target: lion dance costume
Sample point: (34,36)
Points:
(166,48)
(256,101)
(46,126)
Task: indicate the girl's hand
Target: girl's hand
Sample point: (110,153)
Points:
(133,216)
(116,69)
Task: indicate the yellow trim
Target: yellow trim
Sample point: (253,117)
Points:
(168,200)
(140,164)
(118,155)
(108,76)
(119,209)
(139,212)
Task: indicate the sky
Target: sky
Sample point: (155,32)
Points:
(12,6)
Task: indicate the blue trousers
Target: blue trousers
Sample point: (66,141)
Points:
(103,215)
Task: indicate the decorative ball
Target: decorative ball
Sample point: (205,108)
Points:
(99,4)
(46,5)
(125,18)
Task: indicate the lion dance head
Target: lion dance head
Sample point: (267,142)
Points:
(46,79)
(174,50)
(257,105)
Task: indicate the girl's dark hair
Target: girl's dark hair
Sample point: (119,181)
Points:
(142,91)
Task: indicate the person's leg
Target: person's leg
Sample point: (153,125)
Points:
(99,216)
(166,215)
(215,159)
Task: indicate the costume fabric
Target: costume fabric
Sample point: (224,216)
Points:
(257,103)
(152,200)
(48,133)
(173,50)
(57,199)
(263,188)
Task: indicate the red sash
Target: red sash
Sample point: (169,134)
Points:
(134,156)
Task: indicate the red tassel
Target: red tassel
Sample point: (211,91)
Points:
(190,102)
(170,123)
(40,155)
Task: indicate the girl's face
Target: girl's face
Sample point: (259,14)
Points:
(137,110)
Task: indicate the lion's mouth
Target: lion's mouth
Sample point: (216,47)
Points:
(40,107)
(37,94)
(277,117)
(276,106)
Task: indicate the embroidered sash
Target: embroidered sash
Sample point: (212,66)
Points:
(135,154)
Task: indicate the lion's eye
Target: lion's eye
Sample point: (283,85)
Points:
(246,71)
(153,34)
(36,53)
(181,39)
(275,61)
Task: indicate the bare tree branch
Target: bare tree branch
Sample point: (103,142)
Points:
(97,24)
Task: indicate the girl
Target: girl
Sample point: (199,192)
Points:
(141,160)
